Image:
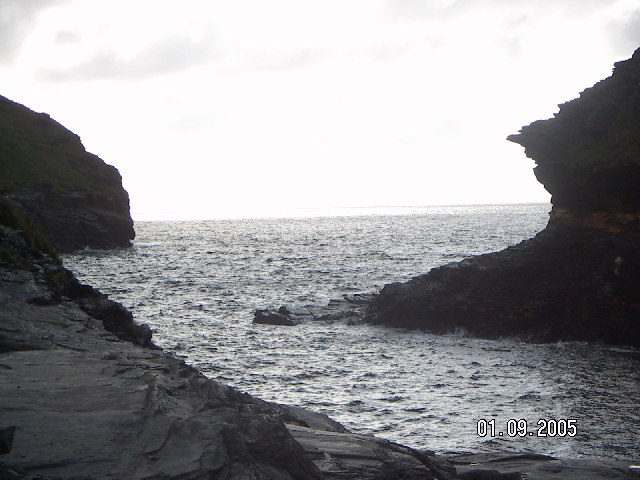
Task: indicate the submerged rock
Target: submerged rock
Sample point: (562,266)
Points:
(579,279)
(269,317)
(74,197)
(349,309)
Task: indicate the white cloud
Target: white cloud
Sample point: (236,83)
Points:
(626,31)
(168,55)
(16,20)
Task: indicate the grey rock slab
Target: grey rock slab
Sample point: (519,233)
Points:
(539,467)
(103,416)
(348,455)
(314,420)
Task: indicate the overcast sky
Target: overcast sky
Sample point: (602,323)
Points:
(247,107)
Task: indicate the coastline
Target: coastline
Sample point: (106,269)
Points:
(578,279)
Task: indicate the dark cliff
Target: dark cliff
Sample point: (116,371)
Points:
(75,198)
(579,279)
(588,155)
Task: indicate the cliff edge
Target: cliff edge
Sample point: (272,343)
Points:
(588,155)
(75,198)
(579,279)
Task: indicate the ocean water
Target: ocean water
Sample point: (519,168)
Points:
(197,284)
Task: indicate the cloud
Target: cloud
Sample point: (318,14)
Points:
(66,36)
(626,33)
(16,19)
(257,60)
(164,56)
(431,8)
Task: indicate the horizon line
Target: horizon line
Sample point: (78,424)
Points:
(299,212)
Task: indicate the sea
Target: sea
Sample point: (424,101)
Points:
(198,283)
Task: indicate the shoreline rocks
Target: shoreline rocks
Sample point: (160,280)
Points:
(516,466)
(564,284)
(269,317)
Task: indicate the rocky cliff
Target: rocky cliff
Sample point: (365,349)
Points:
(588,155)
(579,279)
(75,198)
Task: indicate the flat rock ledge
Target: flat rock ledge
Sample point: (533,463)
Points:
(347,455)
(516,466)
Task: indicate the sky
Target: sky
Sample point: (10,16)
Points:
(246,108)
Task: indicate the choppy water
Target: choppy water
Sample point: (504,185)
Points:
(197,284)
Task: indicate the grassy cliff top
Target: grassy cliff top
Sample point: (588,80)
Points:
(37,153)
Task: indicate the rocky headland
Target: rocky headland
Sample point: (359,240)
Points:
(578,279)
(74,197)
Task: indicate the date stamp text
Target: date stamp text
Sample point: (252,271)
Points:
(562,427)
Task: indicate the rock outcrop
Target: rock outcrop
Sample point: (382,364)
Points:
(579,279)
(349,310)
(588,155)
(269,317)
(75,198)
(520,466)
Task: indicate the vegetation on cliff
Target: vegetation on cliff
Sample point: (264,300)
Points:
(36,152)
(74,197)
